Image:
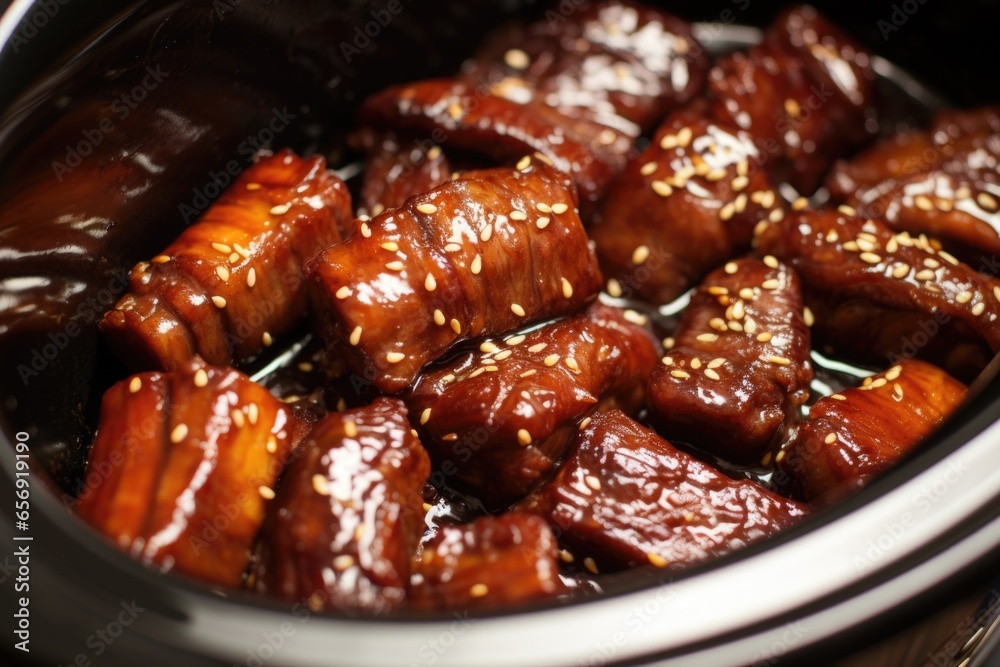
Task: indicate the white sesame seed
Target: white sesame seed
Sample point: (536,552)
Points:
(923,202)
(870,258)
(351,428)
(677,373)
(771,284)
(528,373)
(518,215)
(559,208)
(571,364)
(684,136)
(391,246)
(590,565)
(452,247)
(487,232)
(900,270)
(640,254)
(987,201)
(648,168)
(667,361)
(662,188)
(792,108)
(708,337)
(780,361)
(592,482)
(266,492)
(366,231)
(223,273)
(523,437)
(395,266)
(634,317)
(394,357)
(427,208)
(978,309)
(567,288)
(537,347)
(343,292)
(542,222)
(280,209)
(614,288)
(477,265)
(135,384)
(668,141)
(838,397)
(500,356)
(517,59)
(220,302)
(800,204)
(925,274)
(830,438)
(847,210)
(515,340)
(355,335)
(964,297)
(727,211)
(523,163)
(731,268)
(266,339)
(715,363)
(739,183)
(425,416)
(456,326)
(517,309)
(709,373)
(222,247)
(234,258)
(200,378)
(808,317)
(178,433)
(161,259)
(551,360)
(430,284)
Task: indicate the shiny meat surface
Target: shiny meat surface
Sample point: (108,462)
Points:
(397,169)
(740,367)
(345,525)
(504,412)
(487,253)
(232,282)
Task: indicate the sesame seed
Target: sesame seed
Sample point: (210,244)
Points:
(715,175)
(456,326)
(987,201)
(476,373)
(266,339)
(266,492)
(792,108)
(870,258)
(800,204)
(656,559)
(355,335)
(780,361)
(542,222)
(518,215)
(667,361)
(738,310)
(538,347)
(923,202)
(223,273)
(222,247)
(161,259)
(718,324)
(847,210)
(253,186)
(712,374)
(717,290)
(479,590)
(425,415)
(684,136)
(571,364)
(366,231)
(517,309)
(668,343)
(517,59)
(253,412)
(708,337)
(668,141)
(551,360)
(879,382)
(662,188)
(220,302)
(677,373)
(234,258)
(781,455)
(488,348)
(452,247)
(427,208)
(343,561)
(523,437)
(280,209)
(565,556)
(893,373)
(750,325)
(528,373)
(252,277)
(900,270)
(747,293)
(931,263)
(135,384)
(430,284)
(500,356)
(764,336)
(925,274)
(590,565)
(727,211)
(996,292)
(351,428)
(838,397)
(731,268)
(391,246)
(739,183)
(179,433)
(830,438)
(477,265)
(808,317)
(634,317)
(614,288)
(515,340)
(640,254)
(592,482)
(394,357)
(771,284)
(559,208)
(395,266)
(978,309)
(964,297)
(200,378)
(696,363)
(523,163)
(948,257)
(647,169)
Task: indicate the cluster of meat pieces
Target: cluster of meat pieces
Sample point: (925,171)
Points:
(462,302)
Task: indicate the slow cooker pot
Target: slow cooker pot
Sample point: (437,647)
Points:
(121,121)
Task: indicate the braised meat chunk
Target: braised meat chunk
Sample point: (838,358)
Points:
(687,204)
(397,169)
(232,282)
(626,496)
(806,95)
(740,367)
(177,451)
(487,253)
(855,435)
(877,295)
(345,525)
(494,561)
(505,412)
(942,182)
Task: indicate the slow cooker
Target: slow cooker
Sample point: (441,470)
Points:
(122,120)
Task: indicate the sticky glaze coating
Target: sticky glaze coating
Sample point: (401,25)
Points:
(397,169)
(625,497)
(620,64)
(877,295)
(232,282)
(804,94)
(740,367)
(345,525)
(492,562)
(687,204)
(942,182)
(504,412)
(455,263)
(857,434)
(176,451)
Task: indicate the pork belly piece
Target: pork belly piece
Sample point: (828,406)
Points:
(187,463)
(620,64)
(493,561)
(943,182)
(805,94)
(345,525)
(878,296)
(489,252)
(505,412)
(739,368)
(855,435)
(469,119)
(686,205)
(625,496)
(399,168)
(232,282)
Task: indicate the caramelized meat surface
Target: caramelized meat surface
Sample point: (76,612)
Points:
(626,496)
(686,205)
(805,94)
(942,182)
(398,169)
(877,295)
(504,413)
(493,561)
(854,436)
(345,525)
(232,282)
(490,252)
(180,454)
(740,367)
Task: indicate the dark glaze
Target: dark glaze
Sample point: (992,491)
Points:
(942,182)
(740,367)
(397,169)
(348,517)
(491,562)
(505,429)
(859,433)
(176,451)
(683,207)
(652,504)
(619,64)
(804,94)
(169,314)
(888,295)
(466,117)
(385,292)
